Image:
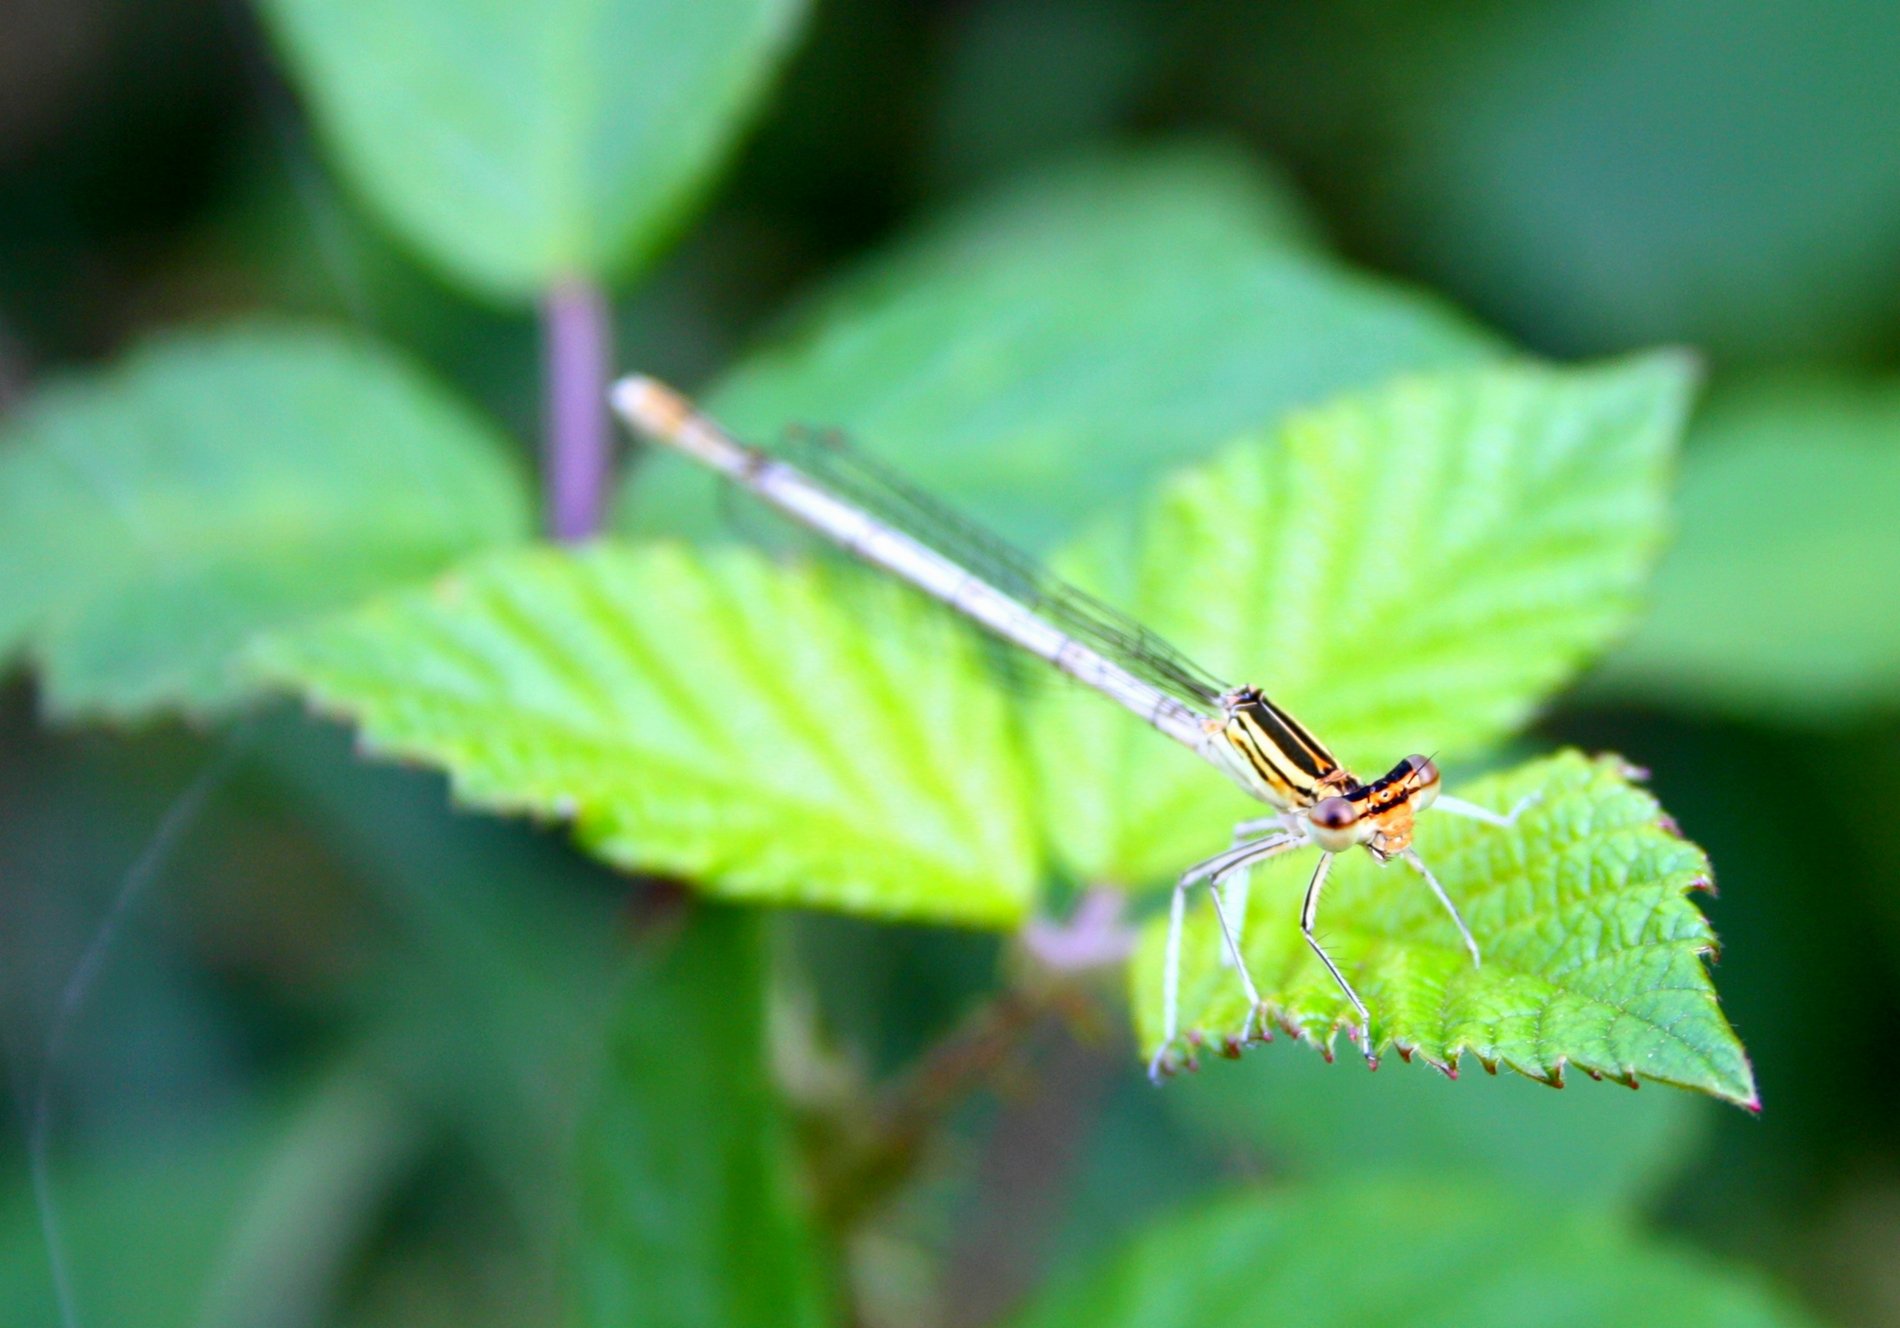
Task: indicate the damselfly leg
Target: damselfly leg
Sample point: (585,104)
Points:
(1235,884)
(1214,871)
(1309,914)
(1417,864)
(1471,811)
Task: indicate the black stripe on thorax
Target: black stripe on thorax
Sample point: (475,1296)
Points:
(1286,733)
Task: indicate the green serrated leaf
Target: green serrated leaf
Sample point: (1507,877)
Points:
(1412,569)
(719,719)
(1764,608)
(1053,348)
(1405,1253)
(1592,951)
(156,515)
(515,145)
(687,1213)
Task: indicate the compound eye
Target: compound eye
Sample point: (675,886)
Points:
(1334,821)
(1423,781)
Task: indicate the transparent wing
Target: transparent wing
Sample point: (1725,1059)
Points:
(864,481)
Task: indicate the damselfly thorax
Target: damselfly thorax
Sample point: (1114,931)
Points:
(1273,757)
(877,517)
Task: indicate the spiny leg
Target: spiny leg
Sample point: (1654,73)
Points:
(1417,864)
(1230,896)
(1308,912)
(1234,894)
(1213,870)
(1170,979)
(1231,934)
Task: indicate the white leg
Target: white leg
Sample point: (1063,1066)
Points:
(1309,913)
(1170,979)
(1417,864)
(1213,870)
(1232,891)
(1232,937)
(1471,811)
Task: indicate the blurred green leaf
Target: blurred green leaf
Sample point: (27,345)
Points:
(231,1226)
(1410,570)
(1405,1254)
(516,145)
(1775,602)
(688,1216)
(1053,348)
(1024,79)
(1592,951)
(1593,1144)
(1596,176)
(156,515)
(719,719)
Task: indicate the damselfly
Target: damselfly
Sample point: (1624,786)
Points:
(876,517)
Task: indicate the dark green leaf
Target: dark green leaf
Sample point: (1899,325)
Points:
(1406,1254)
(1592,1143)
(688,1217)
(516,145)
(215,1230)
(1776,601)
(1603,175)
(1053,348)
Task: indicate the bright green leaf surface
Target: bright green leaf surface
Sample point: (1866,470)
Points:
(1405,1254)
(1776,601)
(157,514)
(1050,350)
(719,719)
(1592,952)
(1410,570)
(687,1215)
(515,144)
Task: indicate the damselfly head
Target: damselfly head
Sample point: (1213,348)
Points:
(1337,824)
(1378,815)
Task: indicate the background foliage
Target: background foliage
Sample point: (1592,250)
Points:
(354,1058)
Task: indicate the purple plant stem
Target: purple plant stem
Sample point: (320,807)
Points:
(577,448)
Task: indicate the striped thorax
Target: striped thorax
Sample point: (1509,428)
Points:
(1274,758)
